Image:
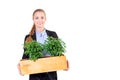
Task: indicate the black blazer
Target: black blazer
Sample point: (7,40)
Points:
(42,76)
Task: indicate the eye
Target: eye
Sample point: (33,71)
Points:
(42,17)
(36,17)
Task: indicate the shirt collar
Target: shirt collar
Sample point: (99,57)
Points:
(41,33)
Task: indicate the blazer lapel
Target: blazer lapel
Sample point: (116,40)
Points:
(48,33)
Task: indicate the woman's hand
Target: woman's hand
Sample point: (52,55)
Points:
(18,66)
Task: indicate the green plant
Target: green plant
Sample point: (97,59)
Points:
(33,49)
(54,46)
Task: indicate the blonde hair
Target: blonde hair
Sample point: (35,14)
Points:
(29,39)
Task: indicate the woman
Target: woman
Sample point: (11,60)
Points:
(40,34)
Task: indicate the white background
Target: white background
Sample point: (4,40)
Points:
(90,29)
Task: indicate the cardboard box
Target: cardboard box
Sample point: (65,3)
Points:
(43,65)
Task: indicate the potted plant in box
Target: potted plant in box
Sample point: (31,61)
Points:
(54,46)
(33,49)
(38,63)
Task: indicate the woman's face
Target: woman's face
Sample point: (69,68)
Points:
(39,19)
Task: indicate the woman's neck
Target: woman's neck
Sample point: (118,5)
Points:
(40,30)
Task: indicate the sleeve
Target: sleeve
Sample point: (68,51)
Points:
(24,55)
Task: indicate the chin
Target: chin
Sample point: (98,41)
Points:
(40,27)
